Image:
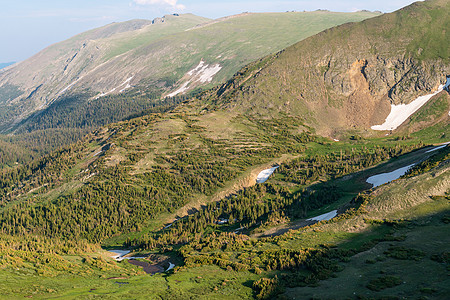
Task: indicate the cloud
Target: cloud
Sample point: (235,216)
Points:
(172,3)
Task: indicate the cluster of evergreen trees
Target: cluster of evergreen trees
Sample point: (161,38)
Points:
(71,118)
(265,204)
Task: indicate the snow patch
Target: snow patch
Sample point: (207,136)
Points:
(209,72)
(197,68)
(171,266)
(438,147)
(380,179)
(325,217)
(400,113)
(265,174)
(127,86)
(201,73)
(180,90)
(69,86)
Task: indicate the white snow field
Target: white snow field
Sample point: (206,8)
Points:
(438,147)
(265,174)
(201,73)
(181,89)
(207,73)
(400,113)
(379,179)
(325,217)
(171,266)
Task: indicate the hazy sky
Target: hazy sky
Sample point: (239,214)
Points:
(28,26)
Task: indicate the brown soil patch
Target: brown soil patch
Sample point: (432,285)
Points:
(362,108)
(147,267)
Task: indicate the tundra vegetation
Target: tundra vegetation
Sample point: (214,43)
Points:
(176,184)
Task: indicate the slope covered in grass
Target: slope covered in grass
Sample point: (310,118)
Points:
(182,186)
(153,55)
(348,76)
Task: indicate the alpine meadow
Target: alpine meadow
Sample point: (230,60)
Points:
(288,155)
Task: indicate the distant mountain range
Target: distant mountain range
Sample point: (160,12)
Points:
(4,65)
(178,189)
(170,56)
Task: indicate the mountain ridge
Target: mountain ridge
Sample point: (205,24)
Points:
(196,166)
(352,85)
(150,58)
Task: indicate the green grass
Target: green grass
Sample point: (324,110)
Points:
(366,252)
(375,273)
(207,282)
(125,42)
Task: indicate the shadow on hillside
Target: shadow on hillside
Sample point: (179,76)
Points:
(386,261)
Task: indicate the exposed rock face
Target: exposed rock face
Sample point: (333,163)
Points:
(371,85)
(348,76)
(158,20)
(400,79)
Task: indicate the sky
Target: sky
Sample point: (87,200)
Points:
(28,26)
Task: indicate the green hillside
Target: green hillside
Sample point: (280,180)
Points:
(347,76)
(178,187)
(54,97)
(155,54)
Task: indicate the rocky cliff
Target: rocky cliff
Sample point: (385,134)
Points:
(348,76)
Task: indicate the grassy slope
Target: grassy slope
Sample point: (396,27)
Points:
(320,81)
(158,55)
(124,42)
(145,142)
(162,51)
(245,38)
(373,260)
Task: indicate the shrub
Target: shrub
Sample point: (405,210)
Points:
(404,253)
(383,282)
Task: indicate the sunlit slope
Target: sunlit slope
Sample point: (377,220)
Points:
(153,55)
(38,81)
(182,184)
(347,77)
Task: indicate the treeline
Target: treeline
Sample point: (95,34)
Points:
(270,203)
(48,171)
(11,154)
(80,111)
(112,201)
(23,148)
(332,165)
(37,255)
(71,118)
(438,158)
